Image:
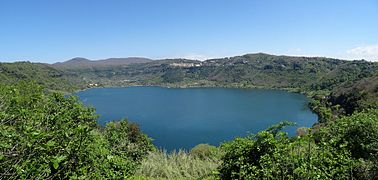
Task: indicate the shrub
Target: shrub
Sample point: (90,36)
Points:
(43,135)
(205,151)
(50,136)
(302,131)
(126,140)
(359,134)
(271,154)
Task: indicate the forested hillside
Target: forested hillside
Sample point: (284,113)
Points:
(327,80)
(343,86)
(82,63)
(251,70)
(357,95)
(42,74)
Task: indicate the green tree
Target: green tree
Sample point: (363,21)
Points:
(50,136)
(126,140)
(43,135)
(358,133)
(271,154)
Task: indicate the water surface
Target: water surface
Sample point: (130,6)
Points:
(182,118)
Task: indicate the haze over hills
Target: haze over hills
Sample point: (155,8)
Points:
(80,62)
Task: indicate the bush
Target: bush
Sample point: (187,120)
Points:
(271,154)
(43,135)
(126,140)
(205,151)
(50,136)
(359,134)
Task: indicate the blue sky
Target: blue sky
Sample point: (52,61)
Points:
(51,31)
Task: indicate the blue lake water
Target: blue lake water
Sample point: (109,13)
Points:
(182,118)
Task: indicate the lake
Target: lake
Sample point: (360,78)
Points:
(182,118)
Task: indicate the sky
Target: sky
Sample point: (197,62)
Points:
(54,31)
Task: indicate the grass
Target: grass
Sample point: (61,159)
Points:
(177,165)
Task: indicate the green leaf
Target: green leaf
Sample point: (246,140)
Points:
(58,160)
(50,143)
(55,165)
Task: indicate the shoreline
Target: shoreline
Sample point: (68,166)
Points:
(308,95)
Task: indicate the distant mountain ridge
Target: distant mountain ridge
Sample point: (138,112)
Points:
(350,84)
(249,70)
(80,62)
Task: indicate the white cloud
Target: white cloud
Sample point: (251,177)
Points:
(295,50)
(200,57)
(369,52)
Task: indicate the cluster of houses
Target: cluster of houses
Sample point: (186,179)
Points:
(186,65)
(93,84)
(207,63)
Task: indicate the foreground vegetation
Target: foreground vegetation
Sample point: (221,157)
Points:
(47,135)
(201,162)
(345,149)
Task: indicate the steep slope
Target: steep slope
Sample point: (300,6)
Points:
(358,95)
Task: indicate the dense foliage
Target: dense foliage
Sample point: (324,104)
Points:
(250,70)
(127,141)
(357,95)
(343,149)
(42,74)
(359,135)
(47,135)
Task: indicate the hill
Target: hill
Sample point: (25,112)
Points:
(333,81)
(43,74)
(78,63)
(358,95)
(250,70)
(315,76)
